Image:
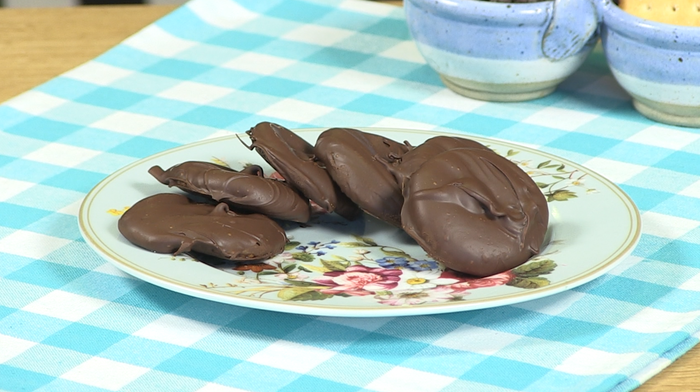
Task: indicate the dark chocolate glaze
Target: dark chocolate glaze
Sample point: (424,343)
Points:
(402,167)
(475,211)
(251,192)
(294,159)
(172,223)
(358,162)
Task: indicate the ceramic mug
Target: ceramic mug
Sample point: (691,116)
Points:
(503,51)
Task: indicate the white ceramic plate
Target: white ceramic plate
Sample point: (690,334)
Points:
(366,268)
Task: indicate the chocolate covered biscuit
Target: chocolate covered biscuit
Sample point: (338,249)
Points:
(294,159)
(475,211)
(172,223)
(247,190)
(357,162)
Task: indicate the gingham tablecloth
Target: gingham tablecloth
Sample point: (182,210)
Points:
(71,321)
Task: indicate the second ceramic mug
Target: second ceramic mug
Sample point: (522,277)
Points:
(503,51)
(658,64)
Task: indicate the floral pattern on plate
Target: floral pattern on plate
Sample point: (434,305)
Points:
(322,270)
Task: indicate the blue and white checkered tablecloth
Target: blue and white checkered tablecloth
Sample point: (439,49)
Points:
(69,321)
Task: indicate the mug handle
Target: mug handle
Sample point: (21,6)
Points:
(571,26)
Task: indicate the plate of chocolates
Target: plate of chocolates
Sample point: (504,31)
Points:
(366,222)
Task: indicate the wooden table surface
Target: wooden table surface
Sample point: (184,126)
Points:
(39,44)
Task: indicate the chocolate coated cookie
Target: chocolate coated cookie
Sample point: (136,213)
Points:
(475,211)
(252,192)
(294,159)
(357,161)
(172,223)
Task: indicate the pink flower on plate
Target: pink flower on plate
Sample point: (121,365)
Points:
(467,283)
(359,280)
(406,298)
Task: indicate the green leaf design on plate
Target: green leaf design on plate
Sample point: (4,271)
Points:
(291,245)
(302,268)
(543,164)
(301,294)
(561,195)
(529,283)
(303,256)
(535,268)
(366,240)
(335,265)
(396,253)
(289,268)
(301,283)
(352,244)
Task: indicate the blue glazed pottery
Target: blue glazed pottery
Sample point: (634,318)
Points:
(503,51)
(657,63)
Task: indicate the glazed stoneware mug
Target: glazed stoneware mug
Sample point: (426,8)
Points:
(503,51)
(658,64)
